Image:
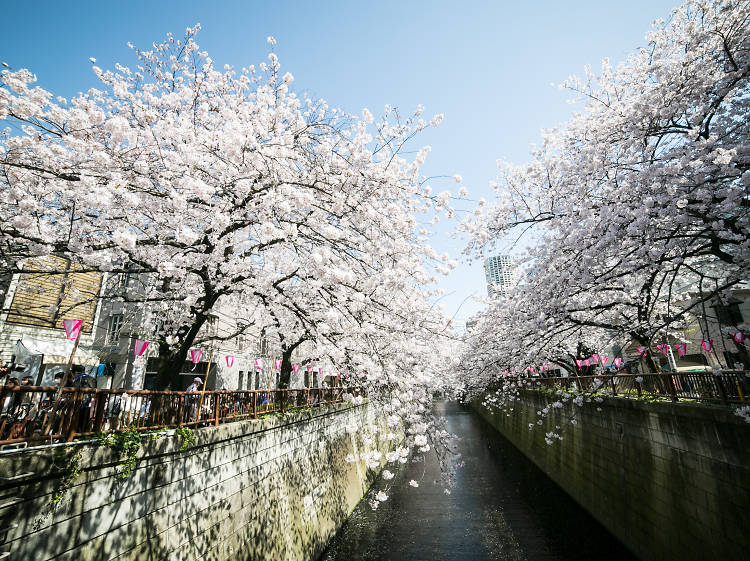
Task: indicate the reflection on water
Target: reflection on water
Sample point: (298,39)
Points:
(502,508)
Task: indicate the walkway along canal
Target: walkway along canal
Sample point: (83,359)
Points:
(502,508)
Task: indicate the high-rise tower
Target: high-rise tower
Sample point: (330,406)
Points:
(498,270)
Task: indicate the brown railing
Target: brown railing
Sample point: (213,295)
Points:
(727,386)
(34,414)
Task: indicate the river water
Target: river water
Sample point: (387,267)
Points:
(501,508)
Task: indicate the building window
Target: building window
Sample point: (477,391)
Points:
(212,324)
(113,331)
(263,346)
(241,380)
(729,315)
(123,280)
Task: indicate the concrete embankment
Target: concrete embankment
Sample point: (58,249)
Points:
(670,480)
(274,488)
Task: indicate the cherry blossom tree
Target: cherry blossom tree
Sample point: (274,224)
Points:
(229,193)
(637,208)
(227,189)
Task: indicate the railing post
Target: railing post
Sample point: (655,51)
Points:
(217,402)
(181,411)
(670,386)
(722,390)
(74,415)
(283,400)
(255,405)
(101,399)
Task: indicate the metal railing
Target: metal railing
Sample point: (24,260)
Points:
(727,386)
(35,415)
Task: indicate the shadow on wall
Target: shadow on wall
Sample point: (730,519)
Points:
(274,488)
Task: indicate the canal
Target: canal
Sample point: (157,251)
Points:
(501,508)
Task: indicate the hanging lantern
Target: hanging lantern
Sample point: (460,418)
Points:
(72,328)
(140,347)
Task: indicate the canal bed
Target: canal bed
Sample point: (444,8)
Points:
(501,508)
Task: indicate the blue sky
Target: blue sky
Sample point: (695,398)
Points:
(487,66)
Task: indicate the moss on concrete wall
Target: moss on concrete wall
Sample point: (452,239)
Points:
(275,488)
(671,481)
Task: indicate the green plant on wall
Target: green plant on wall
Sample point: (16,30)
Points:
(188,437)
(69,463)
(126,444)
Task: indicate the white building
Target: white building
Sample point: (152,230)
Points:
(499,273)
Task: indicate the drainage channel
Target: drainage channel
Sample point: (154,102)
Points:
(501,508)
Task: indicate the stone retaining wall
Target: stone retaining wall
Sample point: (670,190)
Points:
(274,488)
(671,481)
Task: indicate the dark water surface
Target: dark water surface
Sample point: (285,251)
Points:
(502,508)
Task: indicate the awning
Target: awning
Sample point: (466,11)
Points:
(54,351)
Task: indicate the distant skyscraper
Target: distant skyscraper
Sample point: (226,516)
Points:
(498,271)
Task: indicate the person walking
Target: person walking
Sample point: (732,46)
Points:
(192,399)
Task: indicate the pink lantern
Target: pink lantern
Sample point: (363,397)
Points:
(642,351)
(295,367)
(738,337)
(618,362)
(140,347)
(707,345)
(604,359)
(595,359)
(587,362)
(72,328)
(195,355)
(579,363)
(277,365)
(663,348)
(681,349)
(259,364)
(230,361)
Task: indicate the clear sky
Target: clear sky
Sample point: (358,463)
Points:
(488,66)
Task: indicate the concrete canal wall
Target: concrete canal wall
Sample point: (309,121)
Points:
(274,488)
(671,481)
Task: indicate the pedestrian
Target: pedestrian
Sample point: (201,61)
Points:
(87,408)
(192,400)
(25,399)
(10,401)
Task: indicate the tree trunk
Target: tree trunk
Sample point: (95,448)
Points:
(286,369)
(172,361)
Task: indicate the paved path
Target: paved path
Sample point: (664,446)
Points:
(502,508)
